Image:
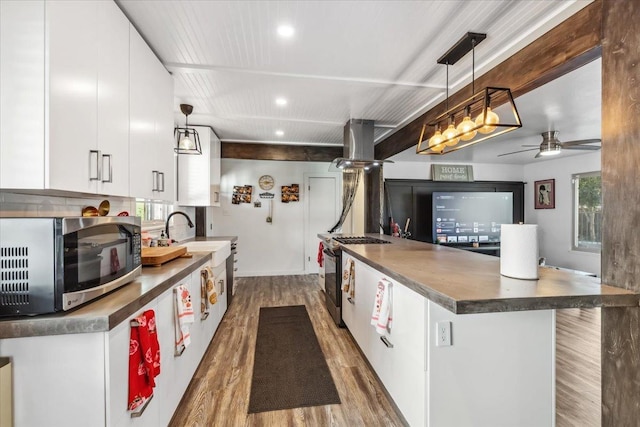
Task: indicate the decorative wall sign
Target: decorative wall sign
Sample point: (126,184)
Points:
(266,195)
(290,193)
(241,194)
(545,194)
(460,173)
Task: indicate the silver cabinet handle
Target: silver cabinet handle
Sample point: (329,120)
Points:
(204,315)
(386,342)
(98,171)
(221,286)
(109,168)
(155,180)
(351,301)
(216,196)
(161,174)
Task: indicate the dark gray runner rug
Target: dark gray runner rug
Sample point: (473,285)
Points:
(289,369)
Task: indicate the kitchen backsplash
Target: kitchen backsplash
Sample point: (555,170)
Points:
(32,205)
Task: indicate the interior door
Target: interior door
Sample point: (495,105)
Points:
(322,214)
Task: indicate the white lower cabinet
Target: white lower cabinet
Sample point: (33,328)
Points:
(498,370)
(400,359)
(83,379)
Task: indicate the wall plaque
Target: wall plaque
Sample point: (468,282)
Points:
(460,173)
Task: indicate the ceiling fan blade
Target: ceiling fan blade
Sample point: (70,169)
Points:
(582,147)
(537,145)
(514,152)
(579,142)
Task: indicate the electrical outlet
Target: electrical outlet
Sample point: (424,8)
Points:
(443,334)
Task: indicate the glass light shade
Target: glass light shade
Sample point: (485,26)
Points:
(465,129)
(492,118)
(551,152)
(451,134)
(435,142)
(186,143)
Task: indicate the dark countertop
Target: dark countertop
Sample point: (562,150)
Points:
(466,282)
(232,239)
(108,311)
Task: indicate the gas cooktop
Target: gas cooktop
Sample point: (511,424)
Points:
(359,240)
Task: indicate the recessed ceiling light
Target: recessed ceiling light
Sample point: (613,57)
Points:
(279,133)
(281,101)
(286,31)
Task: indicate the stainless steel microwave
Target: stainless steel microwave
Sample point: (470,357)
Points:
(55,264)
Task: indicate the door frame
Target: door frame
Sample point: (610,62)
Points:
(338,192)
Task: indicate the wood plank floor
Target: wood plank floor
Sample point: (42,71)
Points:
(219,392)
(578,395)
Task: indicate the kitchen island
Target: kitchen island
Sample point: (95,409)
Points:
(71,368)
(466,347)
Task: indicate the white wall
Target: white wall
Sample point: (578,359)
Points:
(265,249)
(35,205)
(481,171)
(555,225)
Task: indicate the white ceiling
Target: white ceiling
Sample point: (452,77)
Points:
(374,60)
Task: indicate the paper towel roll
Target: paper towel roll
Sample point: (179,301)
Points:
(519,251)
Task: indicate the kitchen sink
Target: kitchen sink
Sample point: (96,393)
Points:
(220,249)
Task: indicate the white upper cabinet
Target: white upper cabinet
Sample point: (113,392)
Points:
(194,177)
(113,99)
(151,124)
(216,151)
(65,85)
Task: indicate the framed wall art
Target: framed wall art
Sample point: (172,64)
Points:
(545,194)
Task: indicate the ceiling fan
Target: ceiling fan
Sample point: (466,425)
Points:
(551,145)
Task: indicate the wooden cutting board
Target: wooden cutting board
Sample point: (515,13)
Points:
(159,255)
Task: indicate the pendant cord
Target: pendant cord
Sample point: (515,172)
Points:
(473,66)
(447,100)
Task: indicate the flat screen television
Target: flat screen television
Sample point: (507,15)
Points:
(470,217)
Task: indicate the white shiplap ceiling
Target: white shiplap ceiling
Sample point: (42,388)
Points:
(374,60)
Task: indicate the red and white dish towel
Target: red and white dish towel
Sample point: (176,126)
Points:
(144,359)
(349,278)
(208,295)
(383,307)
(183,317)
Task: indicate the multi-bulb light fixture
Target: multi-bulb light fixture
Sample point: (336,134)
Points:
(476,121)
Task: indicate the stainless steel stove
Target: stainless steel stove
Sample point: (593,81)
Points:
(333,273)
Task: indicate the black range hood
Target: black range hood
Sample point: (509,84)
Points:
(358,147)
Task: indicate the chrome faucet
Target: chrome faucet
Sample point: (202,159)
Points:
(166,228)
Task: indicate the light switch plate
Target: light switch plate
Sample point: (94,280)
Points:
(443,334)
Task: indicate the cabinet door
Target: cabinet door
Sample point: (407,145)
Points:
(193,174)
(22,86)
(143,181)
(118,374)
(113,99)
(72,105)
(400,359)
(215,169)
(165,157)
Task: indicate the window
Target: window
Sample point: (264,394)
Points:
(587,212)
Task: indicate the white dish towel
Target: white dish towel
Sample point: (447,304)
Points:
(383,307)
(183,317)
(349,278)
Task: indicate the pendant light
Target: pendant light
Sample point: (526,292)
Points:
(187,139)
(468,131)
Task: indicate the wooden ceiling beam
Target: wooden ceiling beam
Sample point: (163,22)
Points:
(570,45)
(300,153)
